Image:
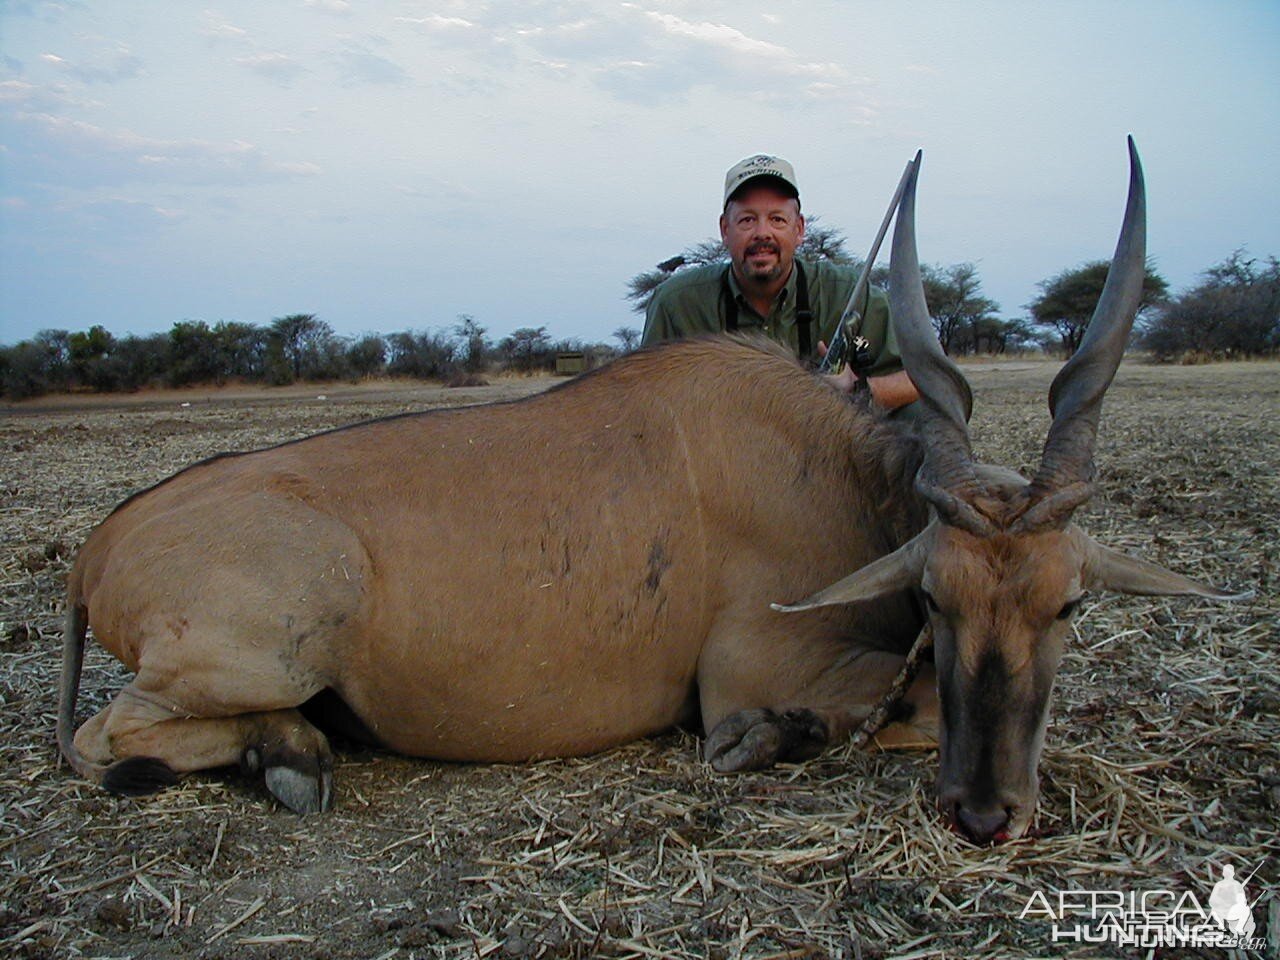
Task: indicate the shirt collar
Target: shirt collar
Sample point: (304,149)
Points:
(786,296)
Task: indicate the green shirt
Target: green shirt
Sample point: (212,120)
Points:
(690,302)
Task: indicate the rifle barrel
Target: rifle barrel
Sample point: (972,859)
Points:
(864,279)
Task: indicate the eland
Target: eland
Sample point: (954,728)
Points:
(565,573)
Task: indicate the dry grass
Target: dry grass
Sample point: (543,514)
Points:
(1161,762)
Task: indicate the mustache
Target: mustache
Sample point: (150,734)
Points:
(764,246)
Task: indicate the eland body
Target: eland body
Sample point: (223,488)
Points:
(548,577)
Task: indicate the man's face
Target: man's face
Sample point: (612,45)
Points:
(761,228)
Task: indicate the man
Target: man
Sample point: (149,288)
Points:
(765,288)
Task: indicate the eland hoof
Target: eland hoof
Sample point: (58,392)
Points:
(301,792)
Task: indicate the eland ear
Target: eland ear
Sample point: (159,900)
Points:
(898,571)
(1109,569)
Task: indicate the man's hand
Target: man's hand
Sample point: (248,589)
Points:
(846,381)
(892,390)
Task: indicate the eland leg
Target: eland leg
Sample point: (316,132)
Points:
(151,740)
(91,739)
(758,710)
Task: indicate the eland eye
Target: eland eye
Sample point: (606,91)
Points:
(1069,608)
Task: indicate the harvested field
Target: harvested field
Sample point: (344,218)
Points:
(1161,762)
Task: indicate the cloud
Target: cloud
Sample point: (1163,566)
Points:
(435,190)
(638,54)
(218,28)
(339,8)
(120,216)
(106,61)
(436,23)
(737,59)
(358,64)
(292,169)
(729,40)
(48,149)
(476,55)
(277,67)
(49,11)
(587,40)
(26,96)
(649,82)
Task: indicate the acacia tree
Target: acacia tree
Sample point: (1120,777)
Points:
(307,347)
(998,336)
(475,344)
(525,346)
(628,337)
(1067,301)
(960,314)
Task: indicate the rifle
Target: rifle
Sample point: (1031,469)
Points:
(858,347)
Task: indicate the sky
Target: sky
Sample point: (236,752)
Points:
(392,164)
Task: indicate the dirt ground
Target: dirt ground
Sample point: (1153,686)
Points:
(1161,762)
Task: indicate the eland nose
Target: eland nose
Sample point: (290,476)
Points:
(983,826)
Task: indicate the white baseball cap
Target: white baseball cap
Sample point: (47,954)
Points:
(761,165)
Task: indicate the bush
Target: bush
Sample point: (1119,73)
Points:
(295,348)
(422,355)
(25,370)
(1234,311)
(367,356)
